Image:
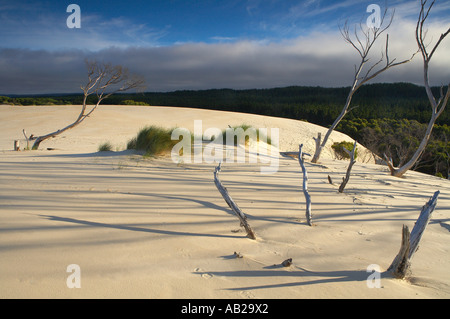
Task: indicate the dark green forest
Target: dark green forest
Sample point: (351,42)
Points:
(386,118)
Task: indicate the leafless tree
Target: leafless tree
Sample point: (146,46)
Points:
(362,39)
(437,106)
(104,80)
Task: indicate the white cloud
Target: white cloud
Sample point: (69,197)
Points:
(50,32)
(320,57)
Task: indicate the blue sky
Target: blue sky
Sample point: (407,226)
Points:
(201,44)
(42,24)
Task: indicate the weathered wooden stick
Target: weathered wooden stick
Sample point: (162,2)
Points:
(305,186)
(330,180)
(421,224)
(26,137)
(224,192)
(349,169)
(319,147)
(400,265)
(410,241)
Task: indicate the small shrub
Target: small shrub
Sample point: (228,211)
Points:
(439,174)
(338,148)
(132,102)
(105,147)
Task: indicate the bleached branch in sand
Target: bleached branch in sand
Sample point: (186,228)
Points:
(400,267)
(349,169)
(234,207)
(305,185)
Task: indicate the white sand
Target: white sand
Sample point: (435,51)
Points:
(151,228)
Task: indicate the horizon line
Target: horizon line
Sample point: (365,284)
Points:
(214,89)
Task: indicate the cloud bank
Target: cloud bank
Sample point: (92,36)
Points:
(319,58)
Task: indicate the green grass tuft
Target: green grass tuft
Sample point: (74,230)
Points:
(105,147)
(153,140)
(245,127)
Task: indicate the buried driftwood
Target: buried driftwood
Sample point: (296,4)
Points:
(224,192)
(400,267)
(349,169)
(305,185)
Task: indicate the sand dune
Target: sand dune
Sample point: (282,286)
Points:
(151,228)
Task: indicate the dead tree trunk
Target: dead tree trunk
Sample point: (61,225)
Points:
(437,105)
(305,186)
(234,207)
(363,44)
(349,169)
(410,241)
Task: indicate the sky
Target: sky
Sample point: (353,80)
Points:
(204,44)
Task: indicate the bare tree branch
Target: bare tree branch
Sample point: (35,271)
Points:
(437,107)
(101,77)
(363,47)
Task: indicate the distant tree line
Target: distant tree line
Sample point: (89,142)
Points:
(388,118)
(313,104)
(31,101)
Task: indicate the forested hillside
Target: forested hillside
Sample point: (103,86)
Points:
(387,118)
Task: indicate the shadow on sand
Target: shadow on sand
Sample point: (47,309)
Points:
(132,228)
(320,277)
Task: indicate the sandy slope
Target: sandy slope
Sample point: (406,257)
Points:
(117,124)
(152,228)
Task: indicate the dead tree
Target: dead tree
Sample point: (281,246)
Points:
(305,185)
(234,207)
(104,80)
(363,42)
(400,267)
(437,106)
(349,169)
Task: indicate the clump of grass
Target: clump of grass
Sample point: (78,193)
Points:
(153,140)
(105,147)
(245,127)
(131,145)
